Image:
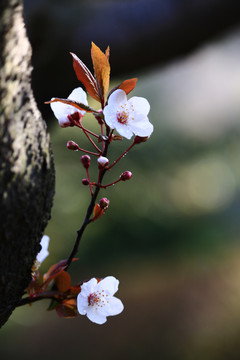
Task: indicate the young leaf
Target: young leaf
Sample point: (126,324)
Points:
(101,69)
(54,271)
(126,85)
(75,104)
(97,212)
(85,76)
(67,309)
(63,281)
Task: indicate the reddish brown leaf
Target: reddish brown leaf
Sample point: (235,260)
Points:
(54,271)
(101,69)
(63,281)
(67,309)
(85,76)
(128,85)
(75,290)
(77,105)
(98,212)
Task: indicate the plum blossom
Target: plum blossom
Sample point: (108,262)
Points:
(63,112)
(41,256)
(96,299)
(128,117)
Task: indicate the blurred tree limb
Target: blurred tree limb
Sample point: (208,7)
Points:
(26,163)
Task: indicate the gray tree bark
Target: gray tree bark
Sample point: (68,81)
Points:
(26,163)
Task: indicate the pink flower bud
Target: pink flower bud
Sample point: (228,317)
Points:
(139,139)
(126,175)
(85,182)
(102,162)
(85,159)
(71,145)
(104,203)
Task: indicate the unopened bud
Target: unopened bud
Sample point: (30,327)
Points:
(126,175)
(85,159)
(102,162)
(140,139)
(85,182)
(71,145)
(104,203)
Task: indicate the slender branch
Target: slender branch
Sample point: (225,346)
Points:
(86,133)
(121,156)
(88,152)
(88,213)
(46,295)
(90,185)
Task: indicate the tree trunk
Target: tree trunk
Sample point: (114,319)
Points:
(26,163)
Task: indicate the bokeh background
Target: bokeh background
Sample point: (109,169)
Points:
(172,234)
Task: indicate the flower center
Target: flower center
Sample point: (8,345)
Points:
(122,117)
(97,299)
(93,299)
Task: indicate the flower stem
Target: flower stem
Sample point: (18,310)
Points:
(90,185)
(121,156)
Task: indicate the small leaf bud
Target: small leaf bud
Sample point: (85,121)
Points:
(102,162)
(140,139)
(85,159)
(71,145)
(126,175)
(104,203)
(85,182)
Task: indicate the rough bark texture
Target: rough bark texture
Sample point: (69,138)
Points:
(26,165)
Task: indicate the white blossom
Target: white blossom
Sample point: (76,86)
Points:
(96,299)
(62,111)
(41,256)
(128,117)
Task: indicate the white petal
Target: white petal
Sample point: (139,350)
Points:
(117,97)
(41,256)
(79,96)
(110,116)
(88,287)
(109,283)
(139,104)
(95,316)
(124,130)
(82,304)
(141,128)
(114,307)
(61,112)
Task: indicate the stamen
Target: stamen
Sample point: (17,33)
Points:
(122,117)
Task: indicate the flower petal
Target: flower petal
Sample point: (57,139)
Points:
(117,97)
(95,316)
(140,105)
(124,130)
(113,307)
(41,256)
(110,115)
(88,287)
(109,283)
(79,96)
(142,127)
(82,304)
